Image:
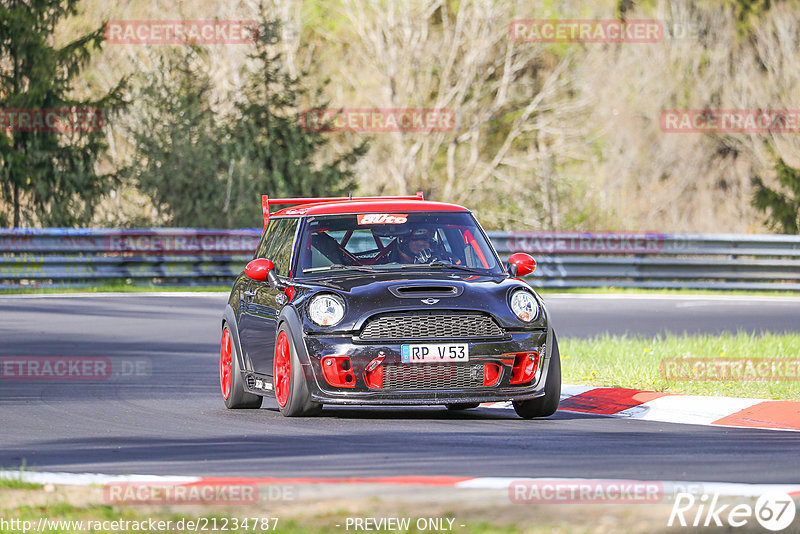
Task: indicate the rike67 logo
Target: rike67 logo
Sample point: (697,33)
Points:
(774,511)
(382,218)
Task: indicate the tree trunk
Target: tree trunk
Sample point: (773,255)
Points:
(16,205)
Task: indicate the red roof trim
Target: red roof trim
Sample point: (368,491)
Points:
(312,200)
(266,202)
(368,206)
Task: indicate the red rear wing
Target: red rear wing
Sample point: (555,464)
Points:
(266,202)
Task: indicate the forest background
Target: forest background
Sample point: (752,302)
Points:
(547,136)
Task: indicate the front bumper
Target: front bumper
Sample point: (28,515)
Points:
(428,389)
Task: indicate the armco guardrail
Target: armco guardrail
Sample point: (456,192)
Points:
(652,260)
(67,257)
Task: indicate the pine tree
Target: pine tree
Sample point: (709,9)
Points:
(782,207)
(269,145)
(48,177)
(204,168)
(179,159)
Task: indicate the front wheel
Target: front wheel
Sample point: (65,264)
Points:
(230,376)
(547,405)
(291,390)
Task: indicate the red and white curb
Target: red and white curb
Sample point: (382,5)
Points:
(493,483)
(685,409)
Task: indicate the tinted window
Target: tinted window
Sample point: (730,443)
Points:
(266,238)
(276,244)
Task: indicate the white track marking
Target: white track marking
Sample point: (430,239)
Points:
(86,479)
(495,483)
(680,409)
(670,487)
(691,410)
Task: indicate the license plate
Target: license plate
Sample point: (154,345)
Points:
(446,352)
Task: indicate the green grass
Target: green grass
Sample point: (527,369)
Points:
(635,362)
(18,483)
(15,483)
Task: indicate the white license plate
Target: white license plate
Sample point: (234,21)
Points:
(443,352)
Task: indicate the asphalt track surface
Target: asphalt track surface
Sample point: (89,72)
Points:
(167,417)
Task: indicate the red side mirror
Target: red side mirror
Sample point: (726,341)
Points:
(258,269)
(521,263)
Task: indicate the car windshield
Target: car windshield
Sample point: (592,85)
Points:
(387,241)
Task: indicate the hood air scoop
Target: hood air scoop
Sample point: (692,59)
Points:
(425,290)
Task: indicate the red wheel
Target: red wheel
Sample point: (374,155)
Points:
(291,389)
(283,369)
(234,394)
(225,364)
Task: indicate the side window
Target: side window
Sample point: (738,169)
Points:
(280,249)
(266,238)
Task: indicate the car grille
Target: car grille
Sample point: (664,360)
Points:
(431,326)
(432,376)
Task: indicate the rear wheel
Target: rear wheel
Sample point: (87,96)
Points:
(547,405)
(291,390)
(462,406)
(230,376)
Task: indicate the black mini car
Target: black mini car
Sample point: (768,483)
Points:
(385,300)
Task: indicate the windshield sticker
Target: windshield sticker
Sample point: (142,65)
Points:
(382,218)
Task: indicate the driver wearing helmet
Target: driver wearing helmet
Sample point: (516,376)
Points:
(415,247)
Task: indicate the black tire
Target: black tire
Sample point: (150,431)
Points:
(299,403)
(462,406)
(548,404)
(238,398)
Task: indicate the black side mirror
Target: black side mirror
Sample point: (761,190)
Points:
(273,280)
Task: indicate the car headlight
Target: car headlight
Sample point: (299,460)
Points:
(326,309)
(524,305)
